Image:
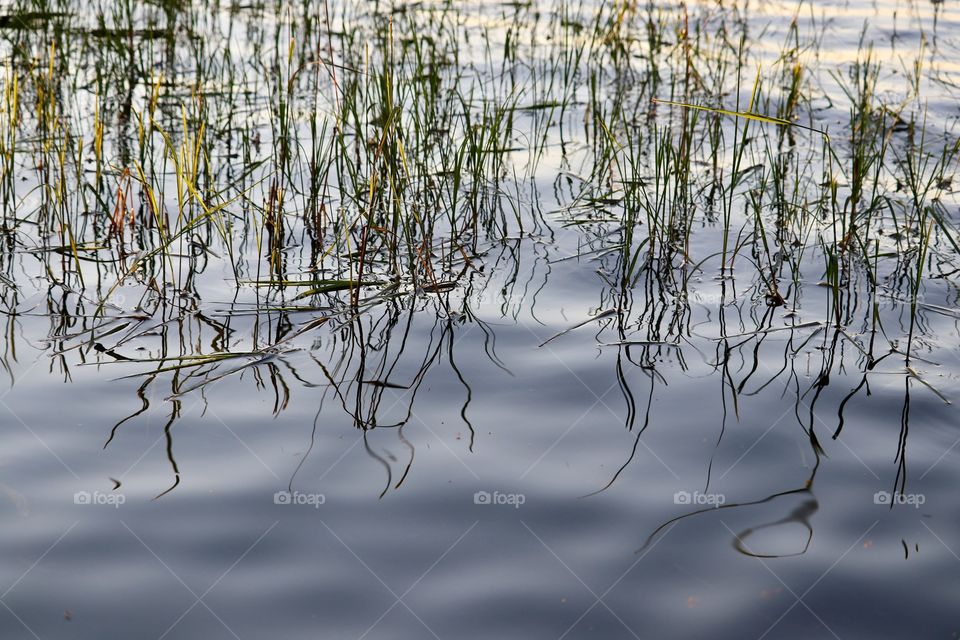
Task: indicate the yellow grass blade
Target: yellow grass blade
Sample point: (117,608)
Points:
(748,115)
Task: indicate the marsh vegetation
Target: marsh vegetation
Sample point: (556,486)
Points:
(604,254)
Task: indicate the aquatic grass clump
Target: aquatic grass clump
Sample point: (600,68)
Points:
(330,160)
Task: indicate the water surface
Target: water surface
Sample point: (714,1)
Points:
(433,454)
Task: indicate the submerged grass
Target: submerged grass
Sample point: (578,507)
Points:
(334,158)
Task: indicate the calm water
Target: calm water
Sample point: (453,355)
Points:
(436,465)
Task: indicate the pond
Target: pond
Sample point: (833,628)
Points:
(542,319)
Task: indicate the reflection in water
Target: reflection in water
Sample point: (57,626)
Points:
(799,515)
(358,230)
(370,366)
(752,355)
(370,357)
(201,174)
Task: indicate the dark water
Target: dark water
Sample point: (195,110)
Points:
(438,466)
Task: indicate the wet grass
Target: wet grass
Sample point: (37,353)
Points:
(173,168)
